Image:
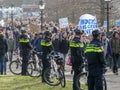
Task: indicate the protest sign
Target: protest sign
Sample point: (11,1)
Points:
(118,23)
(88,23)
(63,22)
(2,23)
(105,24)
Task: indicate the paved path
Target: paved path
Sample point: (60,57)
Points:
(113,81)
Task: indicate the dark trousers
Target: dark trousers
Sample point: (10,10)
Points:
(2,64)
(115,62)
(25,58)
(76,73)
(10,55)
(95,82)
(46,64)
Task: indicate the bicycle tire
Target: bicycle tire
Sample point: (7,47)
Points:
(81,81)
(32,70)
(63,80)
(104,84)
(15,67)
(85,74)
(51,75)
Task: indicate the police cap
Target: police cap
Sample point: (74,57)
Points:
(23,31)
(47,33)
(96,33)
(78,32)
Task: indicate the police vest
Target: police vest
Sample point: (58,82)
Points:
(22,40)
(76,45)
(93,48)
(47,44)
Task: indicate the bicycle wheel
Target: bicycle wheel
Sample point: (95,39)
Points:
(104,84)
(81,81)
(15,67)
(52,77)
(62,78)
(33,70)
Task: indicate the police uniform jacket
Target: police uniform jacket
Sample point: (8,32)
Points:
(46,45)
(95,57)
(76,48)
(24,43)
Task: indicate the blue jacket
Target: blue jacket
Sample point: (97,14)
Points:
(37,44)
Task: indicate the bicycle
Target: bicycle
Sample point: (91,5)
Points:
(81,79)
(16,65)
(34,67)
(55,75)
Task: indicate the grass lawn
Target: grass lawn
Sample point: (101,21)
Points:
(12,82)
(27,83)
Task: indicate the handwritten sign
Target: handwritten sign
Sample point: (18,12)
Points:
(63,22)
(88,23)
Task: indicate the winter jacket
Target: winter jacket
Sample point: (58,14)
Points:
(64,46)
(11,45)
(115,44)
(37,44)
(107,47)
(3,45)
(55,44)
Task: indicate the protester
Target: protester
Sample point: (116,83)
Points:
(107,49)
(55,43)
(37,44)
(115,44)
(11,45)
(64,46)
(3,51)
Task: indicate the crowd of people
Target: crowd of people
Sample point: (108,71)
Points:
(63,41)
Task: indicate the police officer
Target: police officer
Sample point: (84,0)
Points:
(76,48)
(46,49)
(25,47)
(96,61)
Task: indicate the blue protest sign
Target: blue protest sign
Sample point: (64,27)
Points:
(88,23)
(117,23)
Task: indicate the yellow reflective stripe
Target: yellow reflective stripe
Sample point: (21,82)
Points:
(24,40)
(93,48)
(43,43)
(73,44)
(81,45)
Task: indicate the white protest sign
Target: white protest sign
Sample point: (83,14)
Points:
(2,23)
(105,24)
(88,23)
(63,22)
